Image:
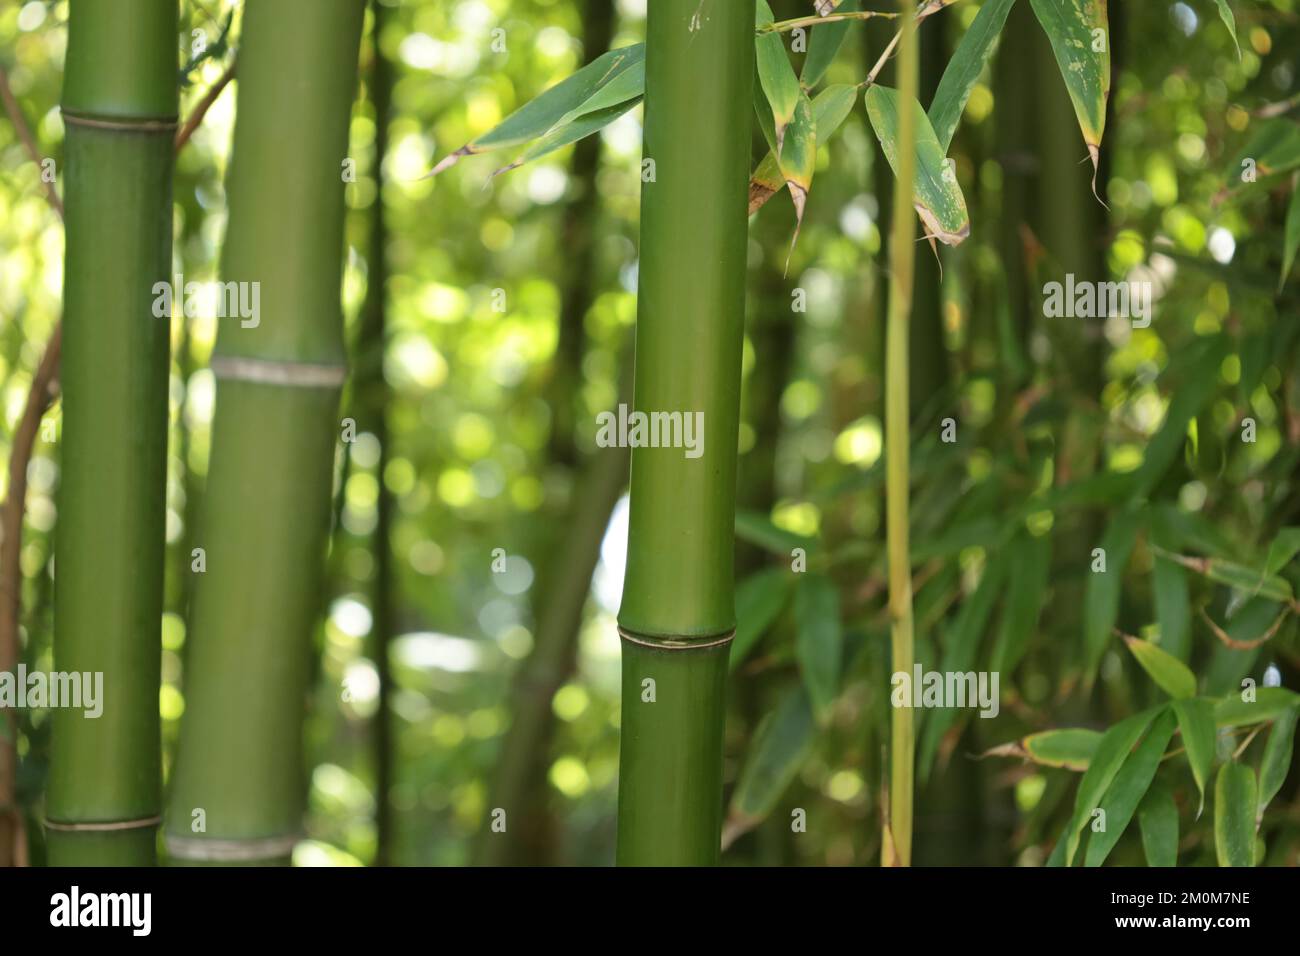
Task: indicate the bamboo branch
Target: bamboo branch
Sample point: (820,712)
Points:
(201,108)
(783,26)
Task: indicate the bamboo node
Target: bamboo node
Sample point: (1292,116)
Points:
(141,824)
(126,125)
(241,368)
(661,643)
(230,850)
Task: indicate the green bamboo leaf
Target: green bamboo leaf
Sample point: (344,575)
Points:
(1273,149)
(1250,582)
(759,599)
(1080,38)
(1291,242)
(1275,763)
(798,160)
(1158,823)
(756,528)
(1128,788)
(1112,750)
(973,52)
(1102,594)
(1234,815)
(820,641)
(1031,559)
(823,43)
(937,196)
(568,98)
(1173,602)
(1283,548)
(1270,703)
(564,135)
(1170,674)
(780,745)
(1225,13)
(775,75)
(1071,748)
(830,108)
(1196,726)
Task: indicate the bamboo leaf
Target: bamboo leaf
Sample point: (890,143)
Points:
(758,529)
(798,160)
(977,45)
(759,599)
(830,109)
(567,99)
(780,745)
(1282,550)
(1291,240)
(937,196)
(571,132)
(1225,13)
(1128,788)
(1071,748)
(1250,582)
(775,76)
(1101,598)
(1170,674)
(1275,763)
(1234,815)
(1158,823)
(1273,149)
(1031,559)
(1112,750)
(1196,726)
(819,646)
(1173,604)
(1270,703)
(823,43)
(1080,38)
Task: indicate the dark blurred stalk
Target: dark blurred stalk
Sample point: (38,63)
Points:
(120,101)
(678,611)
(238,786)
(520,784)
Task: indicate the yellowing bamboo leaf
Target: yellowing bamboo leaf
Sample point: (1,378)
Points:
(562,103)
(798,160)
(1172,676)
(775,75)
(1071,748)
(974,50)
(1080,38)
(937,196)
(830,108)
(1234,815)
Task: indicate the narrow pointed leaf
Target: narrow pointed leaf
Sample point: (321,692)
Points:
(1102,594)
(1083,54)
(937,196)
(1128,788)
(759,599)
(780,745)
(569,133)
(1158,823)
(1234,815)
(798,160)
(820,640)
(1270,703)
(1284,547)
(1071,748)
(1031,559)
(1112,750)
(1196,727)
(776,75)
(824,42)
(973,52)
(1275,763)
(757,529)
(538,116)
(1172,599)
(1225,13)
(1291,239)
(1170,674)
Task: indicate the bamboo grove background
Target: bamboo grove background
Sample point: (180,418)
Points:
(464,654)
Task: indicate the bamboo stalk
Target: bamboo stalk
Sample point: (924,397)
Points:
(897,838)
(238,787)
(678,609)
(120,101)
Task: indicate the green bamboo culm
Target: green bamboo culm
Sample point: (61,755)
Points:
(238,787)
(897,838)
(119,106)
(678,609)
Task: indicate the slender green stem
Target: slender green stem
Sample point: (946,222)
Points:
(119,107)
(898,825)
(678,609)
(782,26)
